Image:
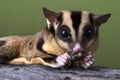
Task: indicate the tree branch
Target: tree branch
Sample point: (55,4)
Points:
(39,72)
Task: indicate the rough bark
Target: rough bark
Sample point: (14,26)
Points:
(39,72)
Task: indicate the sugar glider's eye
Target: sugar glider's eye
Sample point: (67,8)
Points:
(64,33)
(88,31)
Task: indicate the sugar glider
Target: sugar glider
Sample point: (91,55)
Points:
(69,38)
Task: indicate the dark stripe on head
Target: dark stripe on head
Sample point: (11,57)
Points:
(76,19)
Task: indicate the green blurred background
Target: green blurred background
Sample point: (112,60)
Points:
(22,17)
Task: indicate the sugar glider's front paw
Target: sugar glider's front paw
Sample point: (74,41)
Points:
(88,60)
(62,60)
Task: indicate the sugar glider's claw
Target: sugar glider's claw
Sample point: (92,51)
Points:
(88,60)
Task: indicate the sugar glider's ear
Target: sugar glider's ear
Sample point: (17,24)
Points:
(100,19)
(51,17)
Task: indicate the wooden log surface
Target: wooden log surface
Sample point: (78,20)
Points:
(39,72)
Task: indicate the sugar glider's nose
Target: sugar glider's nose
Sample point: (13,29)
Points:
(77,48)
